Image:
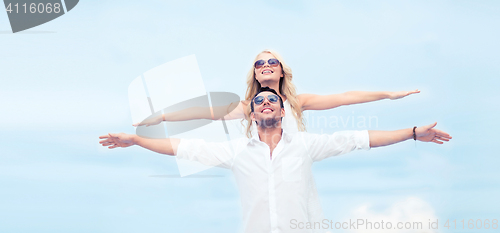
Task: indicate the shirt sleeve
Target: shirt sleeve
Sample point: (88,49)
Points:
(326,145)
(206,153)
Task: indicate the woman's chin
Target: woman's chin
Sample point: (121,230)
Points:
(267,80)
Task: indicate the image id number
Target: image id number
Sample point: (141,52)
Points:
(34,8)
(472,224)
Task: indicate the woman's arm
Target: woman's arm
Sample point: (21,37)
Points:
(195,113)
(324,102)
(223,111)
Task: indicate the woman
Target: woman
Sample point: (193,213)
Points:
(270,70)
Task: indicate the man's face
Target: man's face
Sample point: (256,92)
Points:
(267,114)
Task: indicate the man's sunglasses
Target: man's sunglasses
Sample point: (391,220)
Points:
(272,62)
(259,99)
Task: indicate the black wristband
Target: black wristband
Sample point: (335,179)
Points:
(414,135)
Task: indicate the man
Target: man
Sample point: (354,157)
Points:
(273,168)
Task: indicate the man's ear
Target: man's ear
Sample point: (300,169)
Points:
(252,116)
(282,112)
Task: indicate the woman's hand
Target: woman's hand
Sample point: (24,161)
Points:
(150,121)
(429,134)
(117,140)
(400,94)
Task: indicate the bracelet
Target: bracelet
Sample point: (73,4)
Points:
(414,135)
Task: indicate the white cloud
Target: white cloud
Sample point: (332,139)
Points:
(409,212)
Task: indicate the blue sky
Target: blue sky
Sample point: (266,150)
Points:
(65,82)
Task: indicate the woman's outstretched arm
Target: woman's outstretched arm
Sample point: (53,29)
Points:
(324,102)
(195,113)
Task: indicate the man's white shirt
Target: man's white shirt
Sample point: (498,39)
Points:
(275,190)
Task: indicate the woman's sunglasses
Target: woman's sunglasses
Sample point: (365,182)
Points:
(259,99)
(272,62)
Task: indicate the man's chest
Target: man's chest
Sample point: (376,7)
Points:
(285,161)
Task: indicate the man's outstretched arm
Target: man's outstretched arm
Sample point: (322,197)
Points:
(424,133)
(166,146)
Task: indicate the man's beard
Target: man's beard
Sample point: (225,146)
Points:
(269,123)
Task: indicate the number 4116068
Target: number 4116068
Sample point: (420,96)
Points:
(35,8)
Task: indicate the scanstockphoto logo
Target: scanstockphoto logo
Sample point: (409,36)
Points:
(26,14)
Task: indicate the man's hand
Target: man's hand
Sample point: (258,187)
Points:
(429,134)
(400,94)
(113,140)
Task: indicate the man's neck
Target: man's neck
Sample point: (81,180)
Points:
(270,135)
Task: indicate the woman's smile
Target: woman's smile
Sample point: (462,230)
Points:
(267,71)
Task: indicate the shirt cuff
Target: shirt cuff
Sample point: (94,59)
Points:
(182,148)
(364,140)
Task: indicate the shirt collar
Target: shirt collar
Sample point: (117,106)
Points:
(255,138)
(284,135)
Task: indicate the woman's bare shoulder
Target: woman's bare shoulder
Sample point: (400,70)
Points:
(245,102)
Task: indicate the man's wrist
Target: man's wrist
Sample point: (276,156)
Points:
(387,94)
(409,135)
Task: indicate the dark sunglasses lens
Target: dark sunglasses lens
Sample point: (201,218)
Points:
(258,100)
(272,98)
(273,62)
(259,63)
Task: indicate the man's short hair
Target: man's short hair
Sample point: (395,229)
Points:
(262,89)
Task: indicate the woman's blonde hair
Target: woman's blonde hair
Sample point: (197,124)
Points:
(287,89)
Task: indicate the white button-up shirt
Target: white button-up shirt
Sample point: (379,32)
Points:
(276,190)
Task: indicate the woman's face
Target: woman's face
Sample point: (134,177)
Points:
(267,73)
